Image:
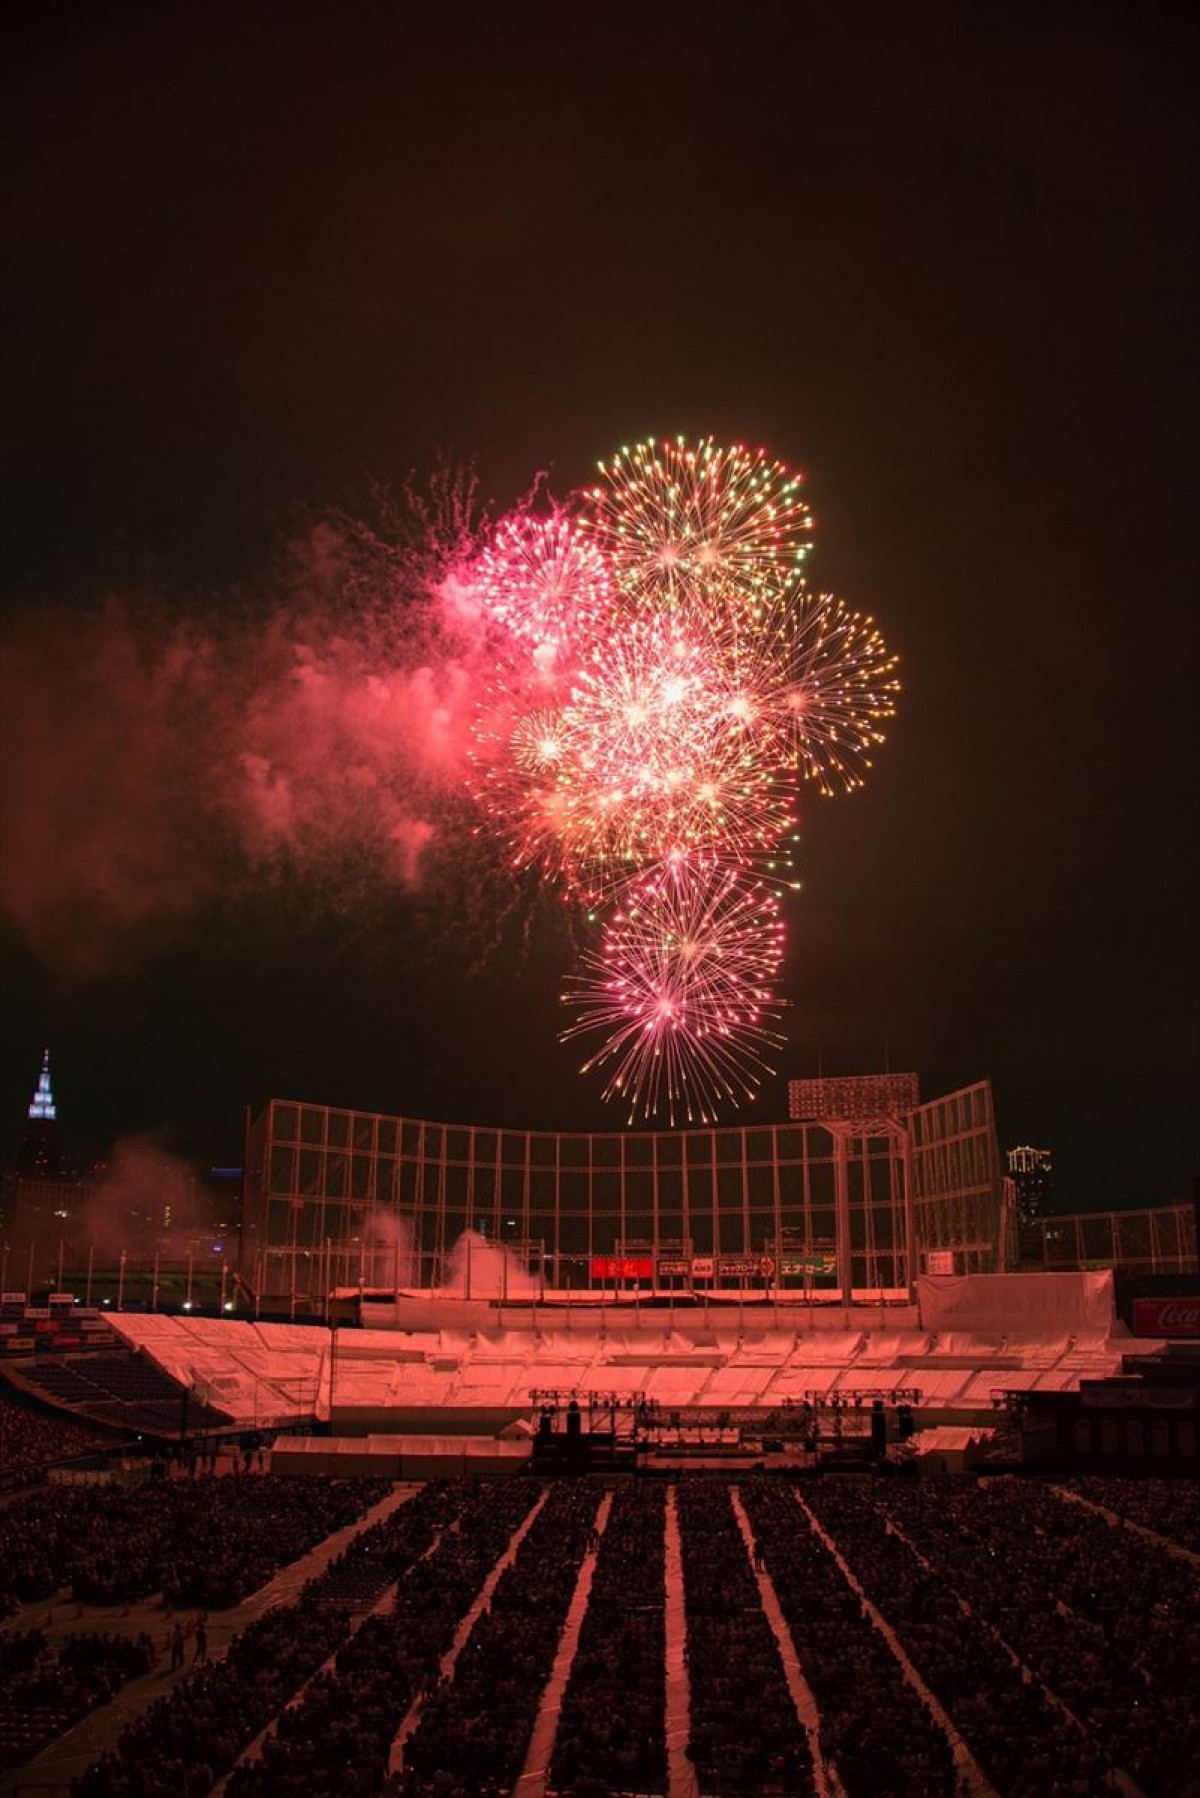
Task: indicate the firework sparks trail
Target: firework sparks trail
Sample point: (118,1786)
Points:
(817,682)
(669,514)
(682,991)
(664,684)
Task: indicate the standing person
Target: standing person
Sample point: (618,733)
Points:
(177,1647)
(201,1640)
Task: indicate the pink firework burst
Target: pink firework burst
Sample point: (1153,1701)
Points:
(661,684)
(542,579)
(682,992)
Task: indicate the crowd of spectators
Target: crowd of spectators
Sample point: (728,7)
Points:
(189,1739)
(46,1689)
(1099,1613)
(337,1740)
(1061,1644)
(612,1724)
(475,1728)
(205,1542)
(1025,1744)
(1171,1508)
(881,1737)
(745,1735)
(32,1439)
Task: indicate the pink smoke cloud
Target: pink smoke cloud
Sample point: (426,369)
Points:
(151,764)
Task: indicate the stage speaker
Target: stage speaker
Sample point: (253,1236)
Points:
(878,1428)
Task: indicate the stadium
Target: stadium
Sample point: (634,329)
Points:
(516,1460)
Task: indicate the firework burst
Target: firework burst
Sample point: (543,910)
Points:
(542,580)
(668,515)
(841,690)
(662,684)
(682,992)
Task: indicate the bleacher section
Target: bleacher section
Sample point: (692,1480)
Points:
(118,1387)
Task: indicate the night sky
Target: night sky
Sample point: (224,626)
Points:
(260,261)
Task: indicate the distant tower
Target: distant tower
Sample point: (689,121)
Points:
(1032,1173)
(38,1158)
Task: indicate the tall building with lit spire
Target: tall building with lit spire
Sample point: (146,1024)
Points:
(38,1157)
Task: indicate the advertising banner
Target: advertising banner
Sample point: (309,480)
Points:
(702,1267)
(1166,1317)
(674,1269)
(808,1264)
(622,1267)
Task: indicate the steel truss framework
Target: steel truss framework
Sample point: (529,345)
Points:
(1159,1241)
(337,1197)
(635,1417)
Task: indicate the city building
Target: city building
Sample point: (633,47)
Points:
(39,1157)
(1032,1174)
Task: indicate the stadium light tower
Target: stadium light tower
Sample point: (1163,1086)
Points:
(860,1108)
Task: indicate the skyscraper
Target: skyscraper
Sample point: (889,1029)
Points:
(1032,1173)
(39,1157)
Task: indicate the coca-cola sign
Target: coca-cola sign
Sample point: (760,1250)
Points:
(1166,1317)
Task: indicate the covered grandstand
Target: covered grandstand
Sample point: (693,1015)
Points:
(450,1365)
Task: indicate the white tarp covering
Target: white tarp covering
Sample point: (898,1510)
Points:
(873,1379)
(832,1348)
(1053,1304)
(995,1331)
(735,1385)
(937,1386)
(885,1350)
(794,1382)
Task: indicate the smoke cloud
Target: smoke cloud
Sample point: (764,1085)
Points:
(155,764)
(145,1194)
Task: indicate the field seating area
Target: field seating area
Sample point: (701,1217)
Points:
(1006,1630)
(1171,1508)
(194,1737)
(732,1650)
(1025,1744)
(206,1541)
(874,1726)
(612,1725)
(45,1690)
(1105,1618)
(349,1717)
